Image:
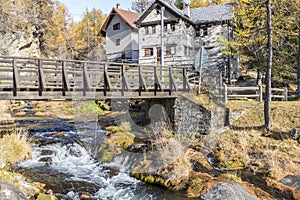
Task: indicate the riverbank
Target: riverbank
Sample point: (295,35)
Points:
(246,159)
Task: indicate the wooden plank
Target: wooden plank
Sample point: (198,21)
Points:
(241,88)
(245,96)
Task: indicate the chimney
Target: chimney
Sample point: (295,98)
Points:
(118,5)
(187,9)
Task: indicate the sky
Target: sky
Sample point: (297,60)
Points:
(78,7)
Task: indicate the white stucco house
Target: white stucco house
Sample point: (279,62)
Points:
(121,36)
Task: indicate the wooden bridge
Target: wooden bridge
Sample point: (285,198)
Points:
(49,79)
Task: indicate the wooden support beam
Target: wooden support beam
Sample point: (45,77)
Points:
(172,81)
(86,79)
(157,83)
(42,83)
(124,83)
(142,82)
(107,82)
(16,77)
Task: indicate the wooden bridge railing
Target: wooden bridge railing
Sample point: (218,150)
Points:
(40,78)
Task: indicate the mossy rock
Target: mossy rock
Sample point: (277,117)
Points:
(42,196)
(200,183)
(114,145)
(20,114)
(39,114)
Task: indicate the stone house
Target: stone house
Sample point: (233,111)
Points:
(184,32)
(121,35)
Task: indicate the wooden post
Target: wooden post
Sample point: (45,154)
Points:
(107,83)
(85,76)
(140,80)
(65,81)
(285,94)
(170,81)
(155,80)
(225,93)
(41,77)
(16,77)
(260,93)
(122,80)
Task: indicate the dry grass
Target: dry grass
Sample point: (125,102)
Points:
(4,111)
(15,147)
(247,142)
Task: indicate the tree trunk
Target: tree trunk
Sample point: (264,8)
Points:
(269,68)
(298,70)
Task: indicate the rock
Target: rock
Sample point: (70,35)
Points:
(85,196)
(295,133)
(292,181)
(10,192)
(227,191)
(114,145)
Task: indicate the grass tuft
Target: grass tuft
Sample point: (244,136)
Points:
(15,147)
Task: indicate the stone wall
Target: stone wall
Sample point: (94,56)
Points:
(190,117)
(182,114)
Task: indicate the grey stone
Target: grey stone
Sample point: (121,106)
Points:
(10,192)
(292,181)
(227,191)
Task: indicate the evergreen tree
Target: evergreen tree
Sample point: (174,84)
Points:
(179,4)
(199,3)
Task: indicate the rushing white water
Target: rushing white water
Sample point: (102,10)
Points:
(77,163)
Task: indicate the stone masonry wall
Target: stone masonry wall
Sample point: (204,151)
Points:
(190,117)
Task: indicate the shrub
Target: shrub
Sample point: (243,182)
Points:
(15,147)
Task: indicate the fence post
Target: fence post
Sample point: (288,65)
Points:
(285,94)
(260,93)
(225,93)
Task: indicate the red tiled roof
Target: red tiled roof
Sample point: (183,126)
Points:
(127,16)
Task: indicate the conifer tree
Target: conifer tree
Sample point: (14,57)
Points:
(199,3)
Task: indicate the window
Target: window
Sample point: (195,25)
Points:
(170,50)
(116,26)
(118,42)
(173,27)
(166,27)
(146,30)
(200,32)
(149,52)
(153,29)
(197,32)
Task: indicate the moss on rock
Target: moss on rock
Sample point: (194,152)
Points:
(115,143)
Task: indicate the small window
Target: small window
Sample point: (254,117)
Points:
(118,41)
(116,26)
(197,32)
(153,29)
(148,52)
(166,27)
(173,27)
(200,32)
(186,51)
(146,30)
(170,50)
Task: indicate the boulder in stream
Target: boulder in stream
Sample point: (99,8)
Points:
(227,191)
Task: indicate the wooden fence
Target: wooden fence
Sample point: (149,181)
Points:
(231,92)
